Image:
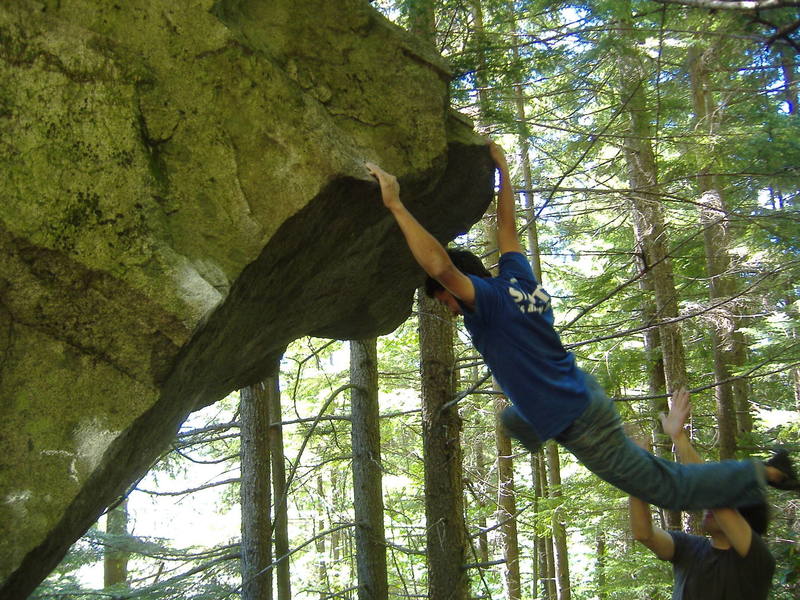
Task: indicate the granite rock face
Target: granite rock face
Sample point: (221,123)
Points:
(183,193)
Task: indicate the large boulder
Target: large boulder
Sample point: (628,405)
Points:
(183,193)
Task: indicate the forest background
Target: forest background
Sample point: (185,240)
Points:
(654,148)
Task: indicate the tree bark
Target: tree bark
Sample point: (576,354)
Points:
(444,503)
(482,474)
(506,495)
(650,234)
(367,474)
(650,252)
(600,565)
(319,545)
(539,552)
(478,35)
(115,560)
(528,204)
(256,496)
(648,218)
(280,493)
(540,561)
(337,537)
(657,383)
(507,506)
(727,345)
(560,556)
(559,531)
(550,586)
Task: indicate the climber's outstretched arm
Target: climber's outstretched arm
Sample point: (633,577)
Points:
(507,239)
(427,250)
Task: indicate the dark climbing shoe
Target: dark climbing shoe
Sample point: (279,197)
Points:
(780,460)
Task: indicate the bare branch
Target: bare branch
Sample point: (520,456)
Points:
(191,490)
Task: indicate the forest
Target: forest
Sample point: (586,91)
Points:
(654,147)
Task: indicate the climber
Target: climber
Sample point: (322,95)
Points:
(510,320)
(735,563)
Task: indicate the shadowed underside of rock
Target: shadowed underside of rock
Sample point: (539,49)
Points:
(183,195)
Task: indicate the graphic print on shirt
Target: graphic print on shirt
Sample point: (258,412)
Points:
(537,301)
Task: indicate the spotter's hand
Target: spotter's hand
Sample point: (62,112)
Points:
(678,413)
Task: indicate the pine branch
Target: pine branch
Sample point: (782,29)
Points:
(740,5)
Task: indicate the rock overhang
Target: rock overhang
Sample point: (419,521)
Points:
(184,194)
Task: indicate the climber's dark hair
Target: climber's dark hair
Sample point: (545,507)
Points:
(466,262)
(757,516)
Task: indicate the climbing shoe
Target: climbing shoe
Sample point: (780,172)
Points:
(780,460)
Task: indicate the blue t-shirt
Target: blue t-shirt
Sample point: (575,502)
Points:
(512,328)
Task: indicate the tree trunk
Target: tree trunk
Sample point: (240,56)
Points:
(723,329)
(507,506)
(482,474)
(115,560)
(336,536)
(506,495)
(549,571)
(650,234)
(540,558)
(367,475)
(656,380)
(479,42)
(256,498)
(728,347)
(528,204)
(319,545)
(652,245)
(600,565)
(648,218)
(446,539)
(559,531)
(539,552)
(476,455)
(281,494)
(741,387)
(560,562)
